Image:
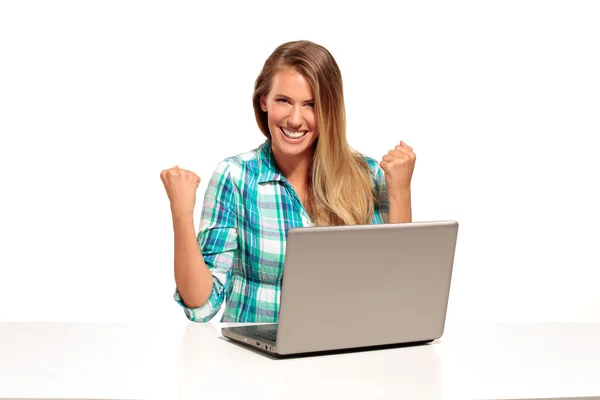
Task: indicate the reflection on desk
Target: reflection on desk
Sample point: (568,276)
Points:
(191,360)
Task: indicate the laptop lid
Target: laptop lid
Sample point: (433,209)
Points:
(365,285)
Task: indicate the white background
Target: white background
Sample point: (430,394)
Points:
(500,101)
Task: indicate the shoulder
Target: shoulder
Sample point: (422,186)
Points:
(238,168)
(373,165)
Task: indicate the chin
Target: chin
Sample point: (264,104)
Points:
(295,149)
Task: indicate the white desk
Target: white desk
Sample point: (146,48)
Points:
(189,360)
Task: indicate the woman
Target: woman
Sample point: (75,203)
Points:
(304,174)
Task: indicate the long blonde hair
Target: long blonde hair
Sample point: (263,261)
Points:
(340,184)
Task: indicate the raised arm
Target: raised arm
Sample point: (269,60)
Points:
(398,166)
(202,262)
(192,276)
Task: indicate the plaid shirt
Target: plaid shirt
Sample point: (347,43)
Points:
(248,208)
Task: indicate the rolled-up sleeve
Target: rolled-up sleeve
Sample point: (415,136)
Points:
(217,238)
(382,207)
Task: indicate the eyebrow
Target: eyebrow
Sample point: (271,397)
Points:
(285,97)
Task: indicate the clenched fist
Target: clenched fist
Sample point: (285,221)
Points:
(181,186)
(398,165)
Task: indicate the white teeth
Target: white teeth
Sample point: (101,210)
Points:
(292,134)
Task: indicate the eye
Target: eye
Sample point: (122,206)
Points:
(281,100)
(311,105)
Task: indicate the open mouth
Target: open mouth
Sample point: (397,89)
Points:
(292,135)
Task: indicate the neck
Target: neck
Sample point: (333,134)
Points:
(295,168)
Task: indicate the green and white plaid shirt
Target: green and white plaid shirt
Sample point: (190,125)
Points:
(248,208)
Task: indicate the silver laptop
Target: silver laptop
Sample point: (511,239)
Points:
(359,286)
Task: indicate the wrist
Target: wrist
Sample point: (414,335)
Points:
(182,216)
(399,194)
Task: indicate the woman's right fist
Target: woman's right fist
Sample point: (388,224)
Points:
(181,186)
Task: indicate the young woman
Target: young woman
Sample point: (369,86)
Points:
(304,174)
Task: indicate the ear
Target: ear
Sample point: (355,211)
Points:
(263,103)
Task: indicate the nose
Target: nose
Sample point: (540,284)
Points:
(295,118)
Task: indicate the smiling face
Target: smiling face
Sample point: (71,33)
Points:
(291,114)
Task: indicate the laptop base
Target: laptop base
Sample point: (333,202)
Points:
(247,336)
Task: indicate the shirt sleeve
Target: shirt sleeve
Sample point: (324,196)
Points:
(382,206)
(217,238)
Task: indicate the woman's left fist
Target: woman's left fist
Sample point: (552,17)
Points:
(398,165)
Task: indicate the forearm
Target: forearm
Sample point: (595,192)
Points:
(192,276)
(400,207)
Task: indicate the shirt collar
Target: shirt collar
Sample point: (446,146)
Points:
(267,168)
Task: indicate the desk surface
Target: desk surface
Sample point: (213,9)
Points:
(191,360)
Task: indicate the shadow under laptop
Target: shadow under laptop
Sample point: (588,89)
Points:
(367,349)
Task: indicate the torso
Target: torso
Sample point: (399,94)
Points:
(267,207)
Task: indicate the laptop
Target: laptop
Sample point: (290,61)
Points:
(359,286)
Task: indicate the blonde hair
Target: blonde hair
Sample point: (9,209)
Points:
(340,184)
